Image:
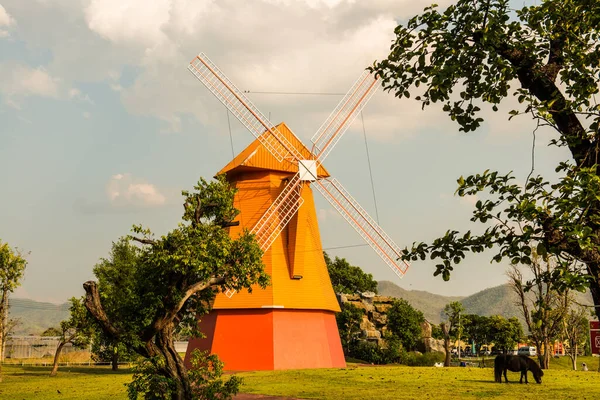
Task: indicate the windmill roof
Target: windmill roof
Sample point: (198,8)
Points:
(256,156)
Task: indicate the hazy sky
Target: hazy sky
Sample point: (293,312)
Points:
(102,126)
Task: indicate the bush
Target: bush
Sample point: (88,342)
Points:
(415,359)
(371,352)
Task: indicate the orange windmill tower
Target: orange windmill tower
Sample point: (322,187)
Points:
(291,323)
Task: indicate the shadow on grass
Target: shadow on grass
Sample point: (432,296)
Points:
(91,370)
(493,382)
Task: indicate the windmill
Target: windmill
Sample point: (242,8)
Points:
(275,176)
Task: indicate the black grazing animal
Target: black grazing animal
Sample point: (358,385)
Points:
(522,364)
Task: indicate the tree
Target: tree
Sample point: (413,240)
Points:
(347,278)
(451,327)
(106,349)
(476,329)
(545,308)
(12,268)
(575,330)
(171,280)
(505,333)
(348,322)
(115,276)
(404,322)
(468,57)
(52,331)
(77,330)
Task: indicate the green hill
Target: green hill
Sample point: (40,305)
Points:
(431,305)
(34,316)
(498,300)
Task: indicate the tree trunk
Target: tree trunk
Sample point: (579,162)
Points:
(544,358)
(446,344)
(595,289)
(3,322)
(56,356)
(574,357)
(115,358)
(174,368)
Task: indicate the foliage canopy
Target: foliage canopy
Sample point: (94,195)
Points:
(347,278)
(478,53)
(144,294)
(404,321)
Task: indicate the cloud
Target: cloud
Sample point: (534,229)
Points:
(129,21)
(5,21)
(264,45)
(124,189)
(76,94)
(22,81)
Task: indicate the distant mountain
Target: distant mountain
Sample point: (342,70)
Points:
(498,300)
(34,316)
(431,305)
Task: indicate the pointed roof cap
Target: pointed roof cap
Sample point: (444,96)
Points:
(256,156)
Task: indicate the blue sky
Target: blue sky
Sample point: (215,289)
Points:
(101,127)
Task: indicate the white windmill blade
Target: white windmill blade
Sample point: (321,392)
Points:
(243,109)
(279,214)
(360,220)
(344,114)
(276,218)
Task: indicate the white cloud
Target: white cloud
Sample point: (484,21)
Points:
(76,94)
(5,21)
(22,81)
(129,21)
(263,45)
(124,189)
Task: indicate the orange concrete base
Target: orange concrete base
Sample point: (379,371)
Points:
(268,339)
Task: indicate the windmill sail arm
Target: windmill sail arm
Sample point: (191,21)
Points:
(343,115)
(242,108)
(279,214)
(360,220)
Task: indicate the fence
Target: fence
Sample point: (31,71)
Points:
(24,347)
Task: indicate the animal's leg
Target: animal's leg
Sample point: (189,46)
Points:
(505,378)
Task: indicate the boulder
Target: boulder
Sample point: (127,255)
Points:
(425,329)
(383,299)
(431,344)
(366,324)
(382,308)
(372,335)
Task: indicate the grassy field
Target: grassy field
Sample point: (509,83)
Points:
(354,382)
(93,383)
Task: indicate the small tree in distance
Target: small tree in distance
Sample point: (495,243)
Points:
(77,330)
(12,268)
(347,278)
(451,327)
(505,333)
(404,322)
(576,331)
(543,305)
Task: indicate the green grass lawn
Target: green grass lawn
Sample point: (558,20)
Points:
(354,382)
(94,383)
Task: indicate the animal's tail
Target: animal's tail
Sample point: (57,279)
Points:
(497,372)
